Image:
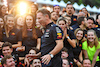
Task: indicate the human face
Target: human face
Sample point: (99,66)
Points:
(85,11)
(86,63)
(91,36)
(80,14)
(10,21)
(29,21)
(54,16)
(79,35)
(62,24)
(57,9)
(10,62)
(6,50)
(4,9)
(89,23)
(41,19)
(64,54)
(33,9)
(69,20)
(20,21)
(36,63)
(38,25)
(32,52)
(69,9)
(1,22)
(65,63)
(98,20)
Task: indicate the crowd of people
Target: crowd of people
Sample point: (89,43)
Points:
(49,39)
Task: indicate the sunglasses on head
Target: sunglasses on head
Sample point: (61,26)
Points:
(55,5)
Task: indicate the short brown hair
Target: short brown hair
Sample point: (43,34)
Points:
(3,61)
(7,44)
(44,12)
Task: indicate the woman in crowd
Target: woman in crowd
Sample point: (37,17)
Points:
(91,47)
(85,11)
(19,22)
(10,33)
(77,50)
(68,37)
(3,10)
(1,27)
(31,35)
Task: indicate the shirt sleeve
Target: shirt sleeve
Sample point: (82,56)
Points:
(98,47)
(19,35)
(57,33)
(39,33)
(71,34)
(84,45)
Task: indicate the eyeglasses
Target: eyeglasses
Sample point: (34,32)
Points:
(55,5)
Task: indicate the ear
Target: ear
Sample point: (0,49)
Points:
(97,20)
(11,50)
(82,22)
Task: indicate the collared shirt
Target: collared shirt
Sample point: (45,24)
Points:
(48,40)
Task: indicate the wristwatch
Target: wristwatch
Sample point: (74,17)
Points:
(51,55)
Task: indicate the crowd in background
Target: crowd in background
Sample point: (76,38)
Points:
(20,36)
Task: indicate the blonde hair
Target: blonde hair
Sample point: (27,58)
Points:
(96,43)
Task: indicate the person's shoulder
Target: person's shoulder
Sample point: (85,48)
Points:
(84,43)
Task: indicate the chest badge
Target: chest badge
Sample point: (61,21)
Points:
(13,33)
(74,19)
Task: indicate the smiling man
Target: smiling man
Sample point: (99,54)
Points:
(8,61)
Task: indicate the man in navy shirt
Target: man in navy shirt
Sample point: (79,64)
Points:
(51,41)
(70,11)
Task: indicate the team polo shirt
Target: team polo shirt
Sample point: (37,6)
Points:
(15,35)
(90,51)
(48,40)
(29,41)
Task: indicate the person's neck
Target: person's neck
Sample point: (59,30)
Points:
(48,21)
(29,27)
(91,44)
(82,27)
(54,21)
(70,14)
(9,29)
(19,27)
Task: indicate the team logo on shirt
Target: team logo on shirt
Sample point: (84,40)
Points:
(13,33)
(74,19)
(85,35)
(47,30)
(80,45)
(59,35)
(96,26)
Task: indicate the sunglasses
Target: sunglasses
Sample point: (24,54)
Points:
(55,5)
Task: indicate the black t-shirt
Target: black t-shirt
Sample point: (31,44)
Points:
(29,41)
(71,35)
(68,46)
(15,35)
(48,40)
(77,50)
